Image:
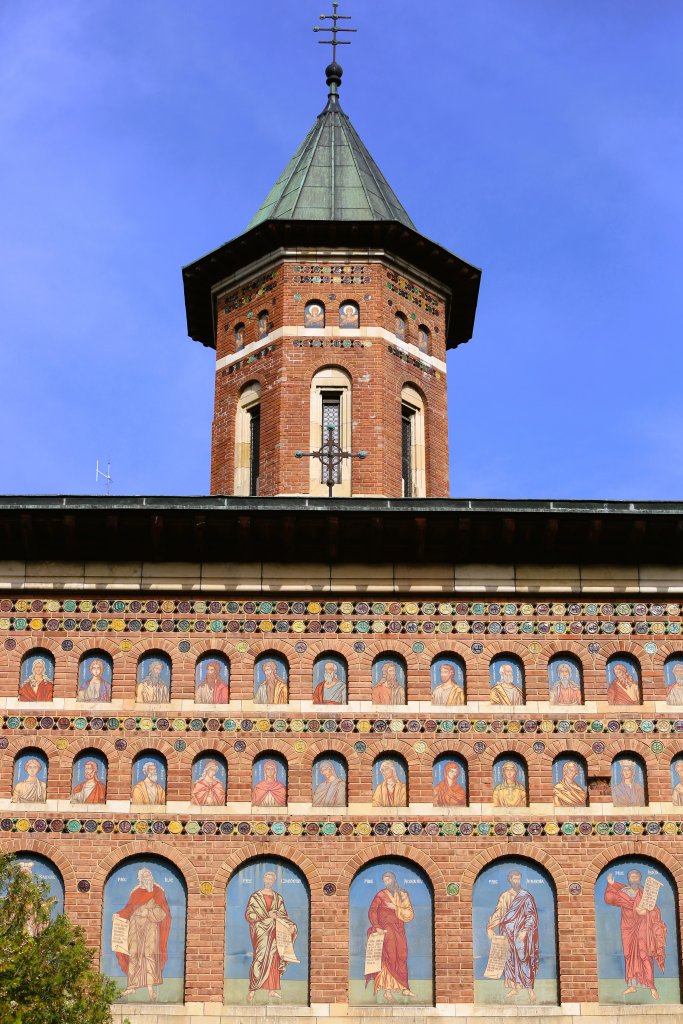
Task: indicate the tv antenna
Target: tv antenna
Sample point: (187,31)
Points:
(105,476)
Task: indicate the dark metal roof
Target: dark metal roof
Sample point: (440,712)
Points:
(332,177)
(459,278)
(374,530)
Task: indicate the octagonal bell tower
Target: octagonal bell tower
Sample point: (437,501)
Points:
(331,310)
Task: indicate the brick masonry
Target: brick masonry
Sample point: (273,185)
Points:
(285,366)
(573,845)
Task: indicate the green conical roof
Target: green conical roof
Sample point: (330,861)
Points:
(332,176)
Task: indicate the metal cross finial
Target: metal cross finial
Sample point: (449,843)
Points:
(334,42)
(331,455)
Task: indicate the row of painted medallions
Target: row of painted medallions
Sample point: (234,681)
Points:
(182,606)
(625,787)
(391,940)
(330,674)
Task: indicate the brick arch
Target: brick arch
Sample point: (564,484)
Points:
(501,851)
(31,844)
(90,742)
(284,851)
(271,642)
(556,648)
(666,651)
(36,742)
(319,650)
(559,746)
(148,741)
(83,645)
(398,645)
(450,646)
(43,642)
(150,642)
(385,850)
(508,645)
(330,744)
(207,644)
(624,645)
(142,848)
(273,744)
(649,849)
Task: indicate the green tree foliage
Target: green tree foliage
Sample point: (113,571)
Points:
(46,968)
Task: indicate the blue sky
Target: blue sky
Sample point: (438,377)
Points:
(539,139)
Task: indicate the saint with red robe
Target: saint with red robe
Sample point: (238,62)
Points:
(643,933)
(389,911)
(149,923)
(624,688)
(37,687)
(516,917)
(264,908)
(269,792)
(449,792)
(208,790)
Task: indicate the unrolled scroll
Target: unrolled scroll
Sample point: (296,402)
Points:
(497,957)
(373,952)
(283,941)
(119,934)
(648,900)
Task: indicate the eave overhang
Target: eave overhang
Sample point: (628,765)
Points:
(303,530)
(460,279)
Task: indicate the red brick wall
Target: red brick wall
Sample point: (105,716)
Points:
(286,370)
(207,861)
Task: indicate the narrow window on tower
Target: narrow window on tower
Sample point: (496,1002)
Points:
(413,447)
(254,447)
(330,407)
(248,440)
(407,414)
(331,422)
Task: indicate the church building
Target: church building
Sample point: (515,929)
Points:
(328,742)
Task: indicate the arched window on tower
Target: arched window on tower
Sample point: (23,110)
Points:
(263,324)
(400,326)
(423,338)
(248,440)
(330,408)
(314,313)
(239,337)
(413,457)
(349,316)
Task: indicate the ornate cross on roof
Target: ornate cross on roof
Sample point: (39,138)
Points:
(334,42)
(331,455)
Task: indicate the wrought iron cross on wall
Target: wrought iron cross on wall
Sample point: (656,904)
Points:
(331,455)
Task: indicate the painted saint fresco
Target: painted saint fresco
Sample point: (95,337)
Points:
(628,783)
(677,781)
(673,680)
(263,325)
(42,870)
(389,782)
(154,679)
(423,339)
(314,314)
(348,316)
(569,782)
(388,681)
(329,680)
(400,327)
(447,681)
(143,931)
(209,781)
(509,782)
(635,921)
(564,681)
(271,676)
(329,781)
(515,943)
(239,336)
(149,779)
(212,680)
(390,936)
(30,778)
(89,778)
(449,782)
(37,677)
(94,677)
(266,935)
(623,686)
(269,781)
(507,682)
